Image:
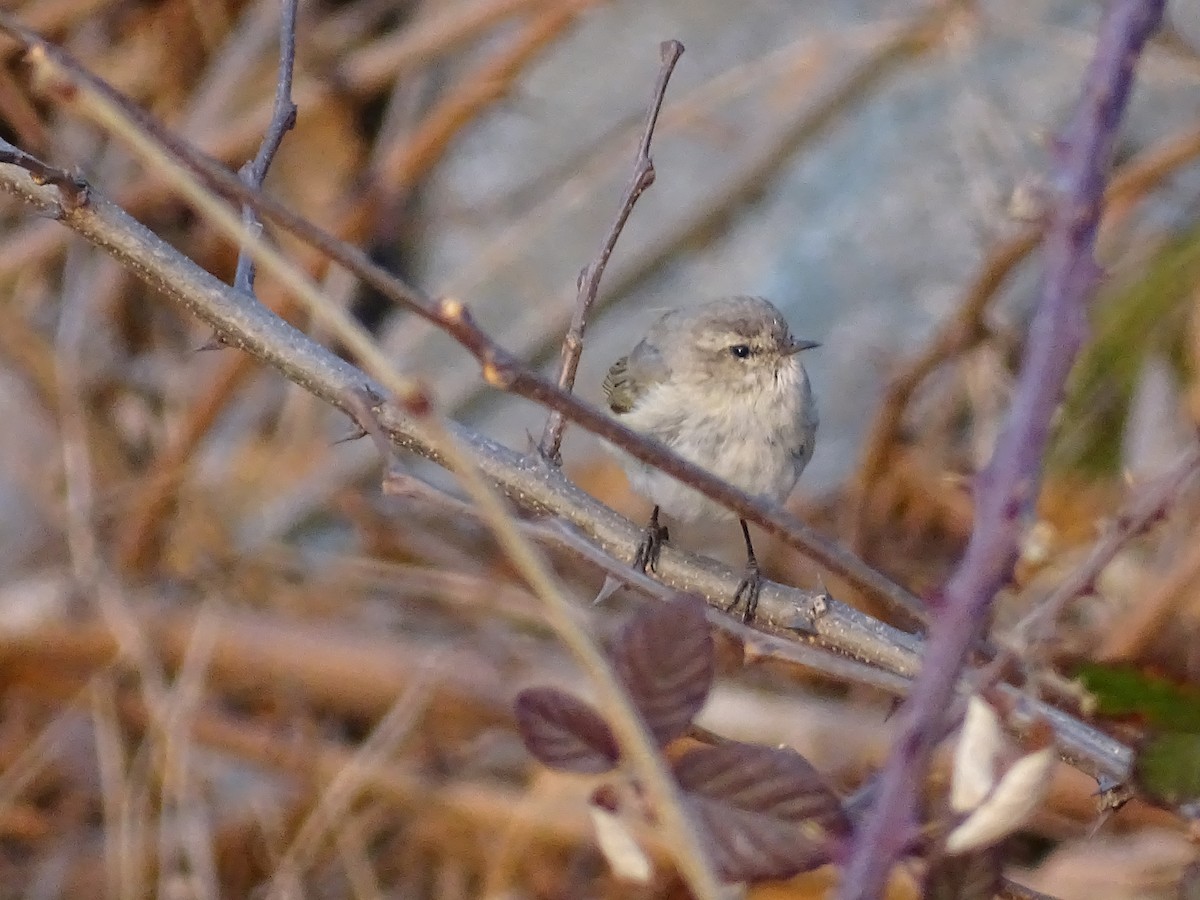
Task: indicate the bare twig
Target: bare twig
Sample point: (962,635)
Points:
(1007,488)
(1137,628)
(908,43)
(589,277)
(71,186)
(1149,504)
(757,646)
(283,120)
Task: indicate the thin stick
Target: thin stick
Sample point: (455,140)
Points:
(71,186)
(283,120)
(1007,489)
(757,646)
(1148,506)
(589,277)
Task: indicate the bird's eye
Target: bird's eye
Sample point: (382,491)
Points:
(741,351)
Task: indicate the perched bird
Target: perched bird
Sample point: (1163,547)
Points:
(720,384)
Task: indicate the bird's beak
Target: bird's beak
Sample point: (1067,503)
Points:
(797,345)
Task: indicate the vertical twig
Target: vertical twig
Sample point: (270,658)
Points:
(589,277)
(1006,490)
(283,120)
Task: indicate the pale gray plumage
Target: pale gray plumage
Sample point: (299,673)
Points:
(721,385)
(752,421)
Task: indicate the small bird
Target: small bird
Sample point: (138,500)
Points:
(722,386)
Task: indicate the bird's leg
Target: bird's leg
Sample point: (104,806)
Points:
(653,538)
(751,584)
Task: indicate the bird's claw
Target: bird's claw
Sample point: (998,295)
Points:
(747,591)
(650,548)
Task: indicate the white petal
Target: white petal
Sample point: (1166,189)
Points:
(1010,806)
(619,847)
(975,757)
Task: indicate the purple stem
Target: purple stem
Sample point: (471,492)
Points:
(1005,491)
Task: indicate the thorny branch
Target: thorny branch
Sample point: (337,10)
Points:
(283,120)
(1007,488)
(589,278)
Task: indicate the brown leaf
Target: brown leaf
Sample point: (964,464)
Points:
(664,655)
(759,808)
(565,733)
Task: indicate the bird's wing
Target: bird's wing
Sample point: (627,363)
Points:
(630,377)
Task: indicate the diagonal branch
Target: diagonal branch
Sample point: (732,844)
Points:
(589,278)
(75,86)
(1007,488)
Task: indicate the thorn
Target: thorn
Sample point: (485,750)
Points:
(216,342)
(358,432)
(610,587)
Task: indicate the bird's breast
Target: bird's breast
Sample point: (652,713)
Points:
(758,441)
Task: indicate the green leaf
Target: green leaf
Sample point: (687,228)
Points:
(1167,768)
(1123,691)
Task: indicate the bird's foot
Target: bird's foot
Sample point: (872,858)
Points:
(747,591)
(648,551)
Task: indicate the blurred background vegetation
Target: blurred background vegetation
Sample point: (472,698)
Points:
(284,680)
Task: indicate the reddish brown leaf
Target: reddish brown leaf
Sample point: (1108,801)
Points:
(565,733)
(757,806)
(664,654)
(772,781)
